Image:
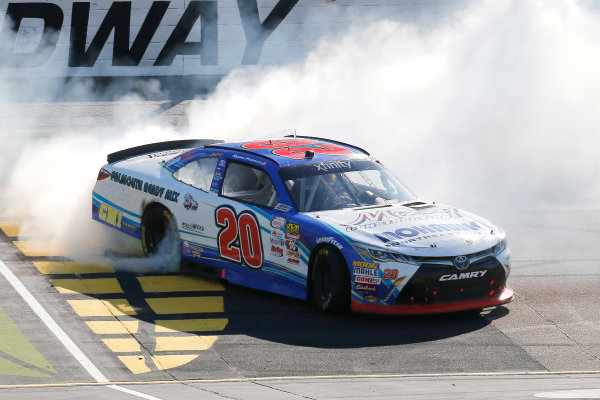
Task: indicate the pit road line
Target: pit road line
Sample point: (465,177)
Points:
(62,336)
(307,377)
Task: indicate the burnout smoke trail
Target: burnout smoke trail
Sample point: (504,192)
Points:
(493,108)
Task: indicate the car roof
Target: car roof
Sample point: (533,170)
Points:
(295,150)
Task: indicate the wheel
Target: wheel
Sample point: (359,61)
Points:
(330,282)
(160,236)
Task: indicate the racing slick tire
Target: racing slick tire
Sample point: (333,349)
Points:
(159,232)
(330,282)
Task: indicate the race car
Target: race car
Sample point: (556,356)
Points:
(304,217)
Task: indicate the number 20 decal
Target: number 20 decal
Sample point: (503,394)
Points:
(239,237)
(390,274)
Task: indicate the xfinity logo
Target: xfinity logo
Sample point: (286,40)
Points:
(117,21)
(464,275)
(327,166)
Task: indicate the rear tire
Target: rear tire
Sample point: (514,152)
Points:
(330,282)
(159,233)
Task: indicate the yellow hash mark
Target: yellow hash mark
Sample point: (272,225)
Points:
(87,286)
(127,345)
(102,308)
(191,325)
(68,267)
(38,248)
(136,364)
(187,305)
(173,361)
(178,283)
(113,327)
(183,343)
(11,228)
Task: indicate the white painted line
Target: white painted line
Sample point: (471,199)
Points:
(51,324)
(62,335)
(571,394)
(133,392)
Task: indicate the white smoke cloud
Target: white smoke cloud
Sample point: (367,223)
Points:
(493,108)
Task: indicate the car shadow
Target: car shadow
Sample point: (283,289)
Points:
(289,321)
(296,322)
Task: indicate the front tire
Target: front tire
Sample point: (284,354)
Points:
(330,282)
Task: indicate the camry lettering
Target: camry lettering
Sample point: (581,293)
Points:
(464,275)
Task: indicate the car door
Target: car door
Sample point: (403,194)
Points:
(252,229)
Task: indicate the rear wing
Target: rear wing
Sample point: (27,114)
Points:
(156,147)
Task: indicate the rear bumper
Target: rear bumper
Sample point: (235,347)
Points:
(506,296)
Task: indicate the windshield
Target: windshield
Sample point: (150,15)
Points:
(342,184)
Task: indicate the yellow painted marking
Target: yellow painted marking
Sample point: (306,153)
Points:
(128,345)
(14,343)
(173,361)
(182,343)
(70,268)
(186,305)
(87,286)
(113,327)
(178,283)
(8,367)
(102,308)
(136,364)
(191,325)
(39,248)
(10,228)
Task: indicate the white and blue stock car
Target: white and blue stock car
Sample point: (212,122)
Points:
(308,218)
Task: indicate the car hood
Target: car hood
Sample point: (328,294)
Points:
(416,228)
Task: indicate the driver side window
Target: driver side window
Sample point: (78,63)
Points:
(198,174)
(249,184)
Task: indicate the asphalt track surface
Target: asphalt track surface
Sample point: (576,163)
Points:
(180,336)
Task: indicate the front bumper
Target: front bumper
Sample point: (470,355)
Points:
(504,297)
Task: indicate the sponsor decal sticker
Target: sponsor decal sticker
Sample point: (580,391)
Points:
(462,275)
(110,215)
(328,166)
(368,279)
(364,264)
(278,222)
(293,228)
(362,287)
(277,251)
(370,299)
(165,153)
(249,159)
(216,154)
(277,241)
(421,232)
(293,260)
(292,245)
(292,236)
(192,227)
(361,271)
(282,207)
(189,203)
(126,180)
(330,240)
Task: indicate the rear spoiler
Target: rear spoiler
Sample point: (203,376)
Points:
(156,147)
